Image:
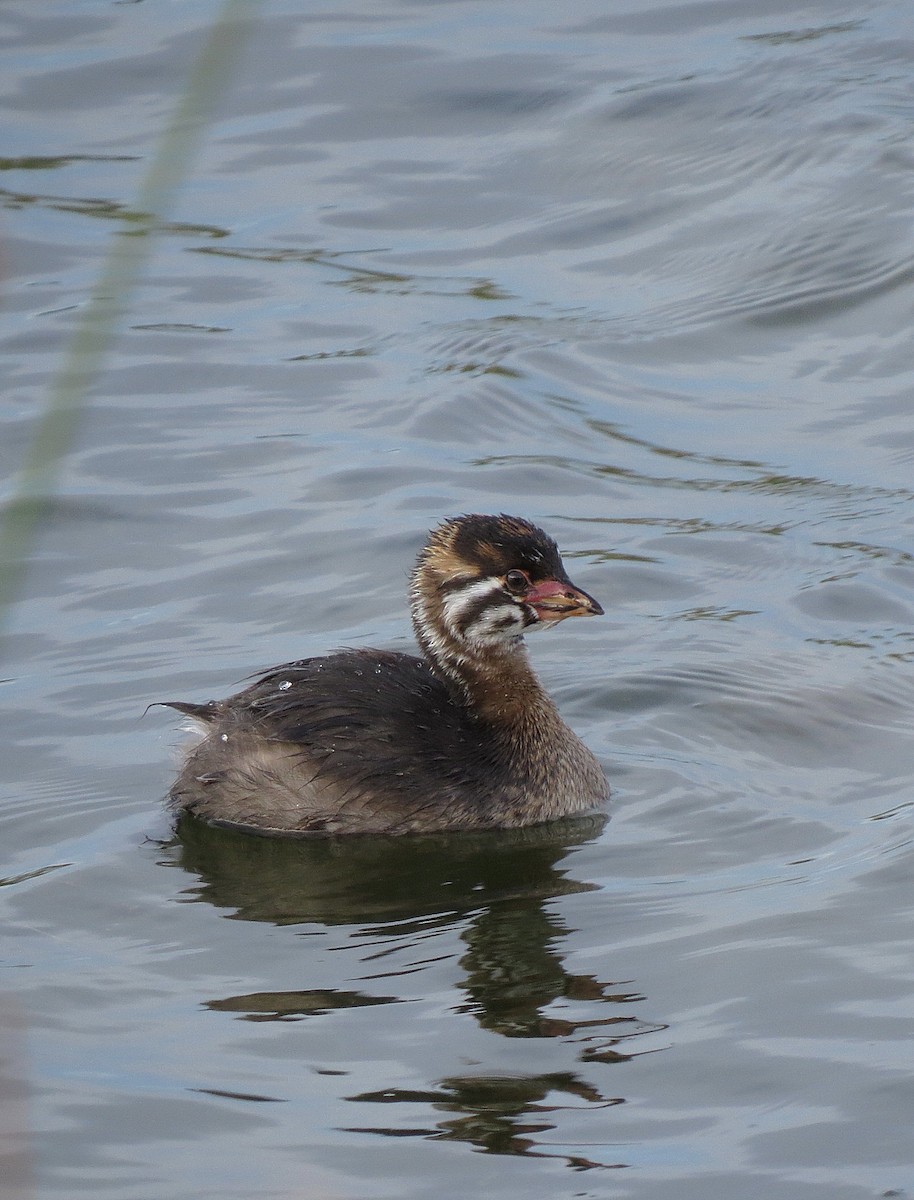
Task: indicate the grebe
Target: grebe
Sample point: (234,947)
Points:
(371,741)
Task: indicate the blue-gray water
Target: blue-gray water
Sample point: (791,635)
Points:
(642,272)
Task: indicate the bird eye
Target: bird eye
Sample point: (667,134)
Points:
(517,581)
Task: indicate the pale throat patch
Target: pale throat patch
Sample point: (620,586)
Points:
(455,604)
(496,624)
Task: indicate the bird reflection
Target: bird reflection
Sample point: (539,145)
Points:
(287,881)
(496,886)
(514,973)
(496,1114)
(291,1006)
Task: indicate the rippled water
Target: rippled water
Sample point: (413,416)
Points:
(643,273)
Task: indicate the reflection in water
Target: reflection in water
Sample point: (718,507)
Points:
(290,1006)
(496,886)
(104,209)
(288,881)
(515,972)
(497,1114)
(361,278)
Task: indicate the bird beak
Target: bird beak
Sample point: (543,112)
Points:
(556,599)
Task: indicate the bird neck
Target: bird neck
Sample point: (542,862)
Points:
(504,691)
(494,682)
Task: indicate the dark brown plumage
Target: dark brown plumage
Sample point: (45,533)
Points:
(370,741)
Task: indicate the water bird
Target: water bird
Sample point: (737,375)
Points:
(376,742)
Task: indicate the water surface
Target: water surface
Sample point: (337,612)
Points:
(642,275)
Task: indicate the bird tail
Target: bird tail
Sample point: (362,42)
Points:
(204,714)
